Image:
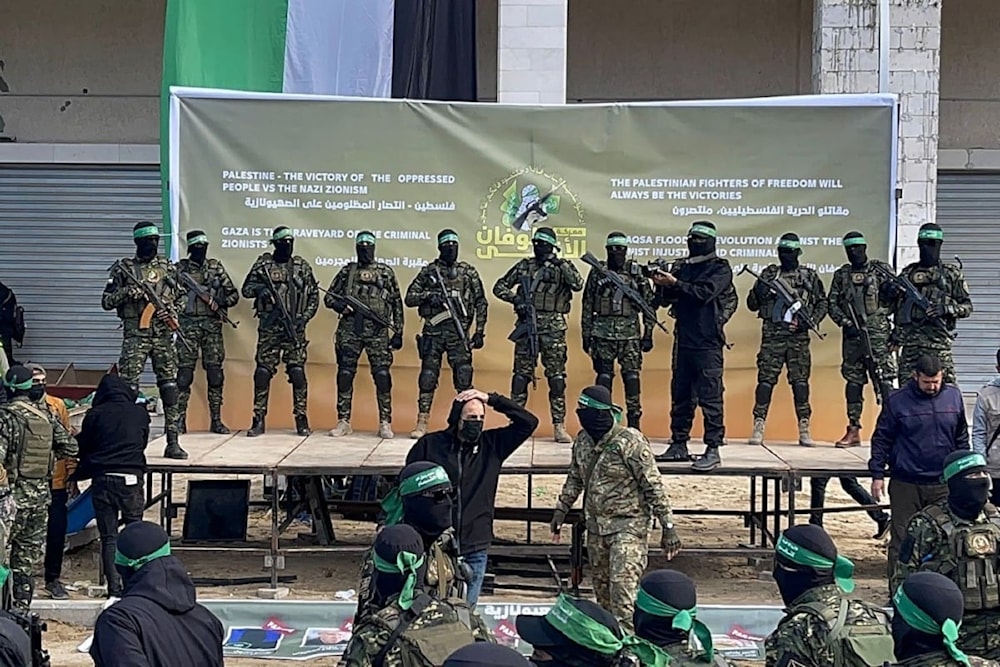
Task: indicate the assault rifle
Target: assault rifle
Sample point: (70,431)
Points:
(913,299)
(527,326)
(361,310)
(32,625)
(287,321)
(788,304)
(537,208)
(623,287)
(871,366)
(154,305)
(197,291)
(455,311)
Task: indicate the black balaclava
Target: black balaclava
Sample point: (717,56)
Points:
(929,240)
(486,654)
(701,239)
(670,587)
(545,244)
(856,248)
(936,596)
(595,411)
(563,650)
(364,246)
(617,247)
(794,579)
(284,243)
(146,237)
(139,543)
(789,250)
(391,541)
(448,247)
(19,381)
(429,511)
(468,431)
(197,243)
(967,494)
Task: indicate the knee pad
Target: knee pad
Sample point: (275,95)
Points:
(853,392)
(345,379)
(185,378)
(631,381)
(604,379)
(169,392)
(427,380)
(557,386)
(463,377)
(261,378)
(762,395)
(519,384)
(215,376)
(296,376)
(800,392)
(383,380)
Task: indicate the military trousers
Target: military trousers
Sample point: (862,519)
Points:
(552,347)
(905,500)
(274,347)
(137,346)
(204,335)
(628,353)
(781,349)
(617,562)
(909,354)
(697,381)
(27,539)
(980,634)
(433,345)
(854,371)
(349,347)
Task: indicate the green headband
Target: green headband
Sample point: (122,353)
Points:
(617,240)
(283,234)
(548,238)
(23,386)
(933,234)
(917,618)
(136,563)
(855,240)
(392,504)
(703,229)
(143,232)
(201,238)
(683,619)
(588,402)
(788,243)
(587,633)
(365,237)
(843,569)
(406,563)
(4,574)
(971,460)
(447,238)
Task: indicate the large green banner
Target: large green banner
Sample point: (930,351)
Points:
(330,168)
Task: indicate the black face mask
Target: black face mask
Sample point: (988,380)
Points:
(146,248)
(366,254)
(543,251)
(448,254)
(126,574)
(282,251)
(197,254)
(36,393)
(793,583)
(788,258)
(616,257)
(470,430)
(967,496)
(857,255)
(930,253)
(910,643)
(573,655)
(657,630)
(699,246)
(431,516)
(595,422)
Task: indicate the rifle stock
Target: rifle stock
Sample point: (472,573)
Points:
(154,305)
(364,311)
(201,293)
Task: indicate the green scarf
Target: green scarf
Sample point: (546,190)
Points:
(407,563)
(588,402)
(843,569)
(136,563)
(683,619)
(917,618)
(392,504)
(585,632)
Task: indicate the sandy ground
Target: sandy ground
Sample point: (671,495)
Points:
(720,580)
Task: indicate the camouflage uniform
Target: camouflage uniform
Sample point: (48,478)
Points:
(682,656)
(442,566)
(622,493)
(555,283)
(29,474)
(156,341)
(376,287)
(203,331)
(439,335)
(780,347)
(915,334)
(370,635)
(944,659)
(930,544)
(610,323)
(802,635)
(297,288)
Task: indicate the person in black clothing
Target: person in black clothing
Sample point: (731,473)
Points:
(15,646)
(694,288)
(473,457)
(112,443)
(8,322)
(158,621)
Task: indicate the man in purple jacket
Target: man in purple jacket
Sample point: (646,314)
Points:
(920,424)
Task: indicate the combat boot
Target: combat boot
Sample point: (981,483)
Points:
(804,438)
(342,428)
(677,451)
(421,428)
(257,427)
(302,425)
(757,436)
(559,433)
(708,461)
(385,431)
(851,439)
(182,426)
(173,450)
(217,426)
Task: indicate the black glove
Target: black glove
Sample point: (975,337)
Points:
(890,290)
(522,309)
(851,331)
(396,342)
(477,342)
(646,344)
(942,310)
(586,345)
(340,306)
(434,301)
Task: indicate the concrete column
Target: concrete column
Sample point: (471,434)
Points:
(531,63)
(845,60)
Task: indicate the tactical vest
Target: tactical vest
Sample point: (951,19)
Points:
(609,301)
(856,644)
(974,549)
(154,273)
(799,281)
(369,286)
(932,283)
(289,285)
(863,291)
(430,644)
(550,295)
(456,286)
(34,457)
(206,275)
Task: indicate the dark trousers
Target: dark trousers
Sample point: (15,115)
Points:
(697,381)
(113,499)
(8,347)
(817,492)
(55,537)
(905,500)
(995,492)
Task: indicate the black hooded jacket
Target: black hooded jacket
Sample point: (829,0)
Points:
(478,467)
(158,623)
(115,432)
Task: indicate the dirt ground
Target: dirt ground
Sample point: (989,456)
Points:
(720,580)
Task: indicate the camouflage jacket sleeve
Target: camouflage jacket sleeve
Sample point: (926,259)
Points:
(312,291)
(337,286)
(642,464)
(817,298)
(645,291)
(11,433)
(728,304)
(479,629)
(478,293)
(365,593)
(800,637)
(395,300)
(114,294)
(366,641)
(839,287)
(892,303)
(587,311)
(504,288)
(573,486)
(959,292)
(226,294)
(63,444)
(754,296)
(925,547)
(420,288)
(570,275)
(252,284)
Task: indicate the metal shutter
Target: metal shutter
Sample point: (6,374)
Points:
(968,209)
(60,230)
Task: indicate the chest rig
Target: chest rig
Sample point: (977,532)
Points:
(932,283)
(549,295)
(974,555)
(370,286)
(799,284)
(609,300)
(205,275)
(863,291)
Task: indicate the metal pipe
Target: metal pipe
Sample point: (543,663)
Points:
(884,29)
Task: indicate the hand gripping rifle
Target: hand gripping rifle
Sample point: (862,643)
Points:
(287,321)
(202,293)
(455,311)
(527,325)
(154,305)
(913,298)
(360,309)
(623,288)
(789,303)
(871,366)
